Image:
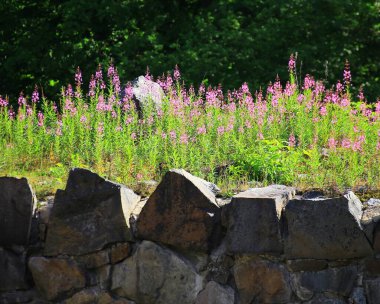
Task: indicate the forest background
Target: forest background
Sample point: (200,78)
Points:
(221,41)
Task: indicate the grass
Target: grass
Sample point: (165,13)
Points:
(300,134)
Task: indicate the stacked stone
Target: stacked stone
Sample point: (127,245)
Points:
(99,242)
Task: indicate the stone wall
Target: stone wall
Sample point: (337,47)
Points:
(99,242)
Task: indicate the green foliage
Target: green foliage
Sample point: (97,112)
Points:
(270,161)
(221,41)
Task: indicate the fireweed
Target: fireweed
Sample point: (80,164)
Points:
(294,133)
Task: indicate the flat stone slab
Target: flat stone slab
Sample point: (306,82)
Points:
(253,219)
(91,213)
(182,212)
(17,204)
(325,229)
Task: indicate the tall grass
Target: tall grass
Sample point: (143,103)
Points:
(300,134)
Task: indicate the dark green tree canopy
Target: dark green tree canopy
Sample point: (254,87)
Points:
(220,41)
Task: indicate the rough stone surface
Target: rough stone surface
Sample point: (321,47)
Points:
(371,216)
(372,288)
(89,214)
(372,266)
(95,259)
(17,204)
(324,299)
(220,264)
(376,238)
(306,265)
(357,296)
(54,277)
(215,293)
(182,212)
(253,219)
(156,275)
(120,252)
(335,280)
(12,270)
(19,296)
(325,229)
(95,295)
(262,281)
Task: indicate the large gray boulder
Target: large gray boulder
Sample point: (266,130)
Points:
(182,212)
(157,275)
(146,93)
(325,229)
(253,219)
(12,271)
(17,205)
(91,213)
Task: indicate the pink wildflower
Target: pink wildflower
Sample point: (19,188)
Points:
(177,74)
(292,140)
(323,111)
(40,118)
(21,99)
(332,143)
(292,63)
(220,130)
(346,143)
(184,139)
(78,77)
(347,74)
(3,102)
(35,95)
(201,130)
(173,135)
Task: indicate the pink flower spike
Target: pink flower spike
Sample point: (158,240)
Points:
(292,63)
(346,143)
(347,74)
(332,143)
(292,140)
(78,77)
(177,74)
(323,111)
(35,95)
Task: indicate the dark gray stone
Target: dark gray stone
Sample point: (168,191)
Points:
(306,265)
(253,219)
(324,299)
(19,296)
(182,212)
(261,281)
(370,217)
(91,213)
(336,280)
(154,274)
(17,204)
(325,229)
(372,288)
(55,277)
(358,296)
(12,271)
